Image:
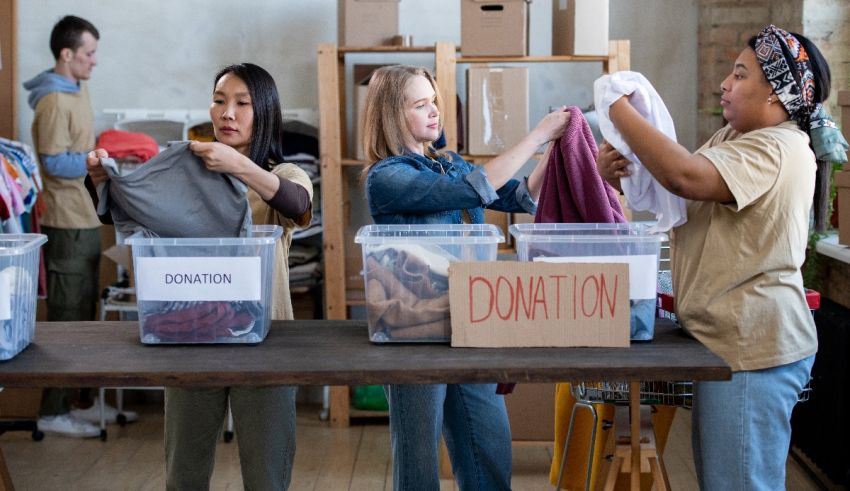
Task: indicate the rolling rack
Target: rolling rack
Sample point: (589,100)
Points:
(675,394)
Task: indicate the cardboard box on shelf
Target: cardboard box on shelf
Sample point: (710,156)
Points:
(494,28)
(522,218)
(531,412)
(122,255)
(362,75)
(842,184)
(367,22)
(498,108)
(502,221)
(580,27)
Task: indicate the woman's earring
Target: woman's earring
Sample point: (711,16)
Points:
(770,100)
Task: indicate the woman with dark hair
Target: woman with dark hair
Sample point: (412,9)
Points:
(736,262)
(246,118)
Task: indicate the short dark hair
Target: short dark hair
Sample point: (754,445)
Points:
(820,67)
(267,129)
(68,33)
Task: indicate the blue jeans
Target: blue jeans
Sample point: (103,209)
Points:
(742,428)
(474,424)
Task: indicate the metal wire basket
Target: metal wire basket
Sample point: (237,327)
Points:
(678,394)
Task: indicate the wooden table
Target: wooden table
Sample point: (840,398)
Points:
(95,354)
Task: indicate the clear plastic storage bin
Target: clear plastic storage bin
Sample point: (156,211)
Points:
(18,289)
(630,243)
(205,290)
(405,268)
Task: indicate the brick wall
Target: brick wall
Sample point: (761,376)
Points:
(726,25)
(724,28)
(827,23)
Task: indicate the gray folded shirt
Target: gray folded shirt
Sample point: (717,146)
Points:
(174,195)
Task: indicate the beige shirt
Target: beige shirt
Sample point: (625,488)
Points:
(736,267)
(263,214)
(63,123)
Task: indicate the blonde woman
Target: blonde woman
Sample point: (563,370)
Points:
(409,182)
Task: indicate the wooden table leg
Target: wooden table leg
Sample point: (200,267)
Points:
(634,410)
(5,478)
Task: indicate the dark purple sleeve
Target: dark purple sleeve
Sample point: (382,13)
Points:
(291,200)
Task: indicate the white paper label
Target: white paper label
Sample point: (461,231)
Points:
(5,297)
(643,271)
(198,278)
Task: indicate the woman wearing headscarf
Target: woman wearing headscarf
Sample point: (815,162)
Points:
(736,262)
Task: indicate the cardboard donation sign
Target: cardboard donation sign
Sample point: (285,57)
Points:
(502,303)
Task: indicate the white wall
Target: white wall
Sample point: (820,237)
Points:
(163,54)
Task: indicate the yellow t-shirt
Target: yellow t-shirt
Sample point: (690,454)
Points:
(63,123)
(736,267)
(263,214)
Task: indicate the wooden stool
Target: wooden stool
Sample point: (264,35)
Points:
(623,457)
(629,449)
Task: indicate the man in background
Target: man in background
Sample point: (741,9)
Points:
(62,133)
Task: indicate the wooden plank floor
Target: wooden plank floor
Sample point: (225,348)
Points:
(354,458)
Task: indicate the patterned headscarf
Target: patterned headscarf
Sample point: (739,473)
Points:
(786,64)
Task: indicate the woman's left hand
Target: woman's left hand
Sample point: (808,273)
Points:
(218,157)
(611,164)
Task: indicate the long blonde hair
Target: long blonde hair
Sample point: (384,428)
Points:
(384,121)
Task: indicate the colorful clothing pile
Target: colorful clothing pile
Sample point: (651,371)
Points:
(20,184)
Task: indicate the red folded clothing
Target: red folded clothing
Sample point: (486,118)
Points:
(201,322)
(123,144)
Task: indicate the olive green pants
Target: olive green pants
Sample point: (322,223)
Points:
(72,260)
(264,423)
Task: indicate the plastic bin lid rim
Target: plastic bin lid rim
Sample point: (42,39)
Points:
(452,233)
(585,232)
(270,234)
(28,242)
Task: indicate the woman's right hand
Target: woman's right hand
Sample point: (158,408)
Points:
(552,126)
(96,171)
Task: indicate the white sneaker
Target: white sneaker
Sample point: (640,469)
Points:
(92,414)
(67,425)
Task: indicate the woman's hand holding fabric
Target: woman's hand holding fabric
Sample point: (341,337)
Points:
(94,168)
(552,126)
(612,165)
(219,157)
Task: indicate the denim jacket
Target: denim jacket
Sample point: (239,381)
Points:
(413,189)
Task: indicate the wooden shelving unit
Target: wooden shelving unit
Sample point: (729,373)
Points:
(332,145)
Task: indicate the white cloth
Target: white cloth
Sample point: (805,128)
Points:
(642,191)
